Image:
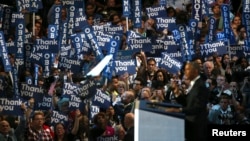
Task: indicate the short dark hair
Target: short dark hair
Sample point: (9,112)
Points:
(151,59)
(138,78)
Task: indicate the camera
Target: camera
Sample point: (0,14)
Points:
(225,116)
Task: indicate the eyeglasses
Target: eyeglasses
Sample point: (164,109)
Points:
(232,86)
(220,79)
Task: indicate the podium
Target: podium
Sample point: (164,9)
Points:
(152,123)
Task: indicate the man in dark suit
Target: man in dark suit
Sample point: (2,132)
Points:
(195,106)
(129,124)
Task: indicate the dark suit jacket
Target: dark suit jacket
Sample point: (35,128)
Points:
(196,112)
(130,135)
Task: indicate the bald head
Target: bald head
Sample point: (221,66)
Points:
(4,127)
(129,120)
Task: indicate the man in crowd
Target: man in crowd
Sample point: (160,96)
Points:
(35,130)
(195,107)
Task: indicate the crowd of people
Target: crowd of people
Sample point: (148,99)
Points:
(212,90)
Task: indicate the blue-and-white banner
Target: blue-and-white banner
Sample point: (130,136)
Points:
(11,47)
(19,23)
(4,53)
(156,12)
(221,36)
(28,38)
(170,64)
(226,19)
(86,90)
(46,46)
(35,5)
(138,44)
(212,29)
(112,50)
(65,50)
(124,54)
(94,110)
(245,6)
(104,41)
(176,36)
(137,14)
(158,61)
(101,99)
(207,7)
(43,102)
(23,5)
(132,34)
(163,45)
(68,88)
(122,66)
(113,29)
(75,102)
(29,80)
(15,75)
(193,34)
(47,63)
(185,48)
(193,24)
(36,58)
(63,38)
(218,47)
(71,19)
(72,64)
(80,21)
(168,23)
(174,53)
(197,10)
(246,17)
(76,40)
(28,91)
(126,8)
(56,17)
(6,27)
(11,106)
(236,50)
(88,31)
(58,117)
(52,31)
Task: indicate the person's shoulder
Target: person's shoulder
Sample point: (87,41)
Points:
(215,107)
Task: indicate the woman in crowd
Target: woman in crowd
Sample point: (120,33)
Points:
(61,133)
(101,128)
(160,79)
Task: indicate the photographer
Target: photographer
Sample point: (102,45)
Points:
(223,113)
